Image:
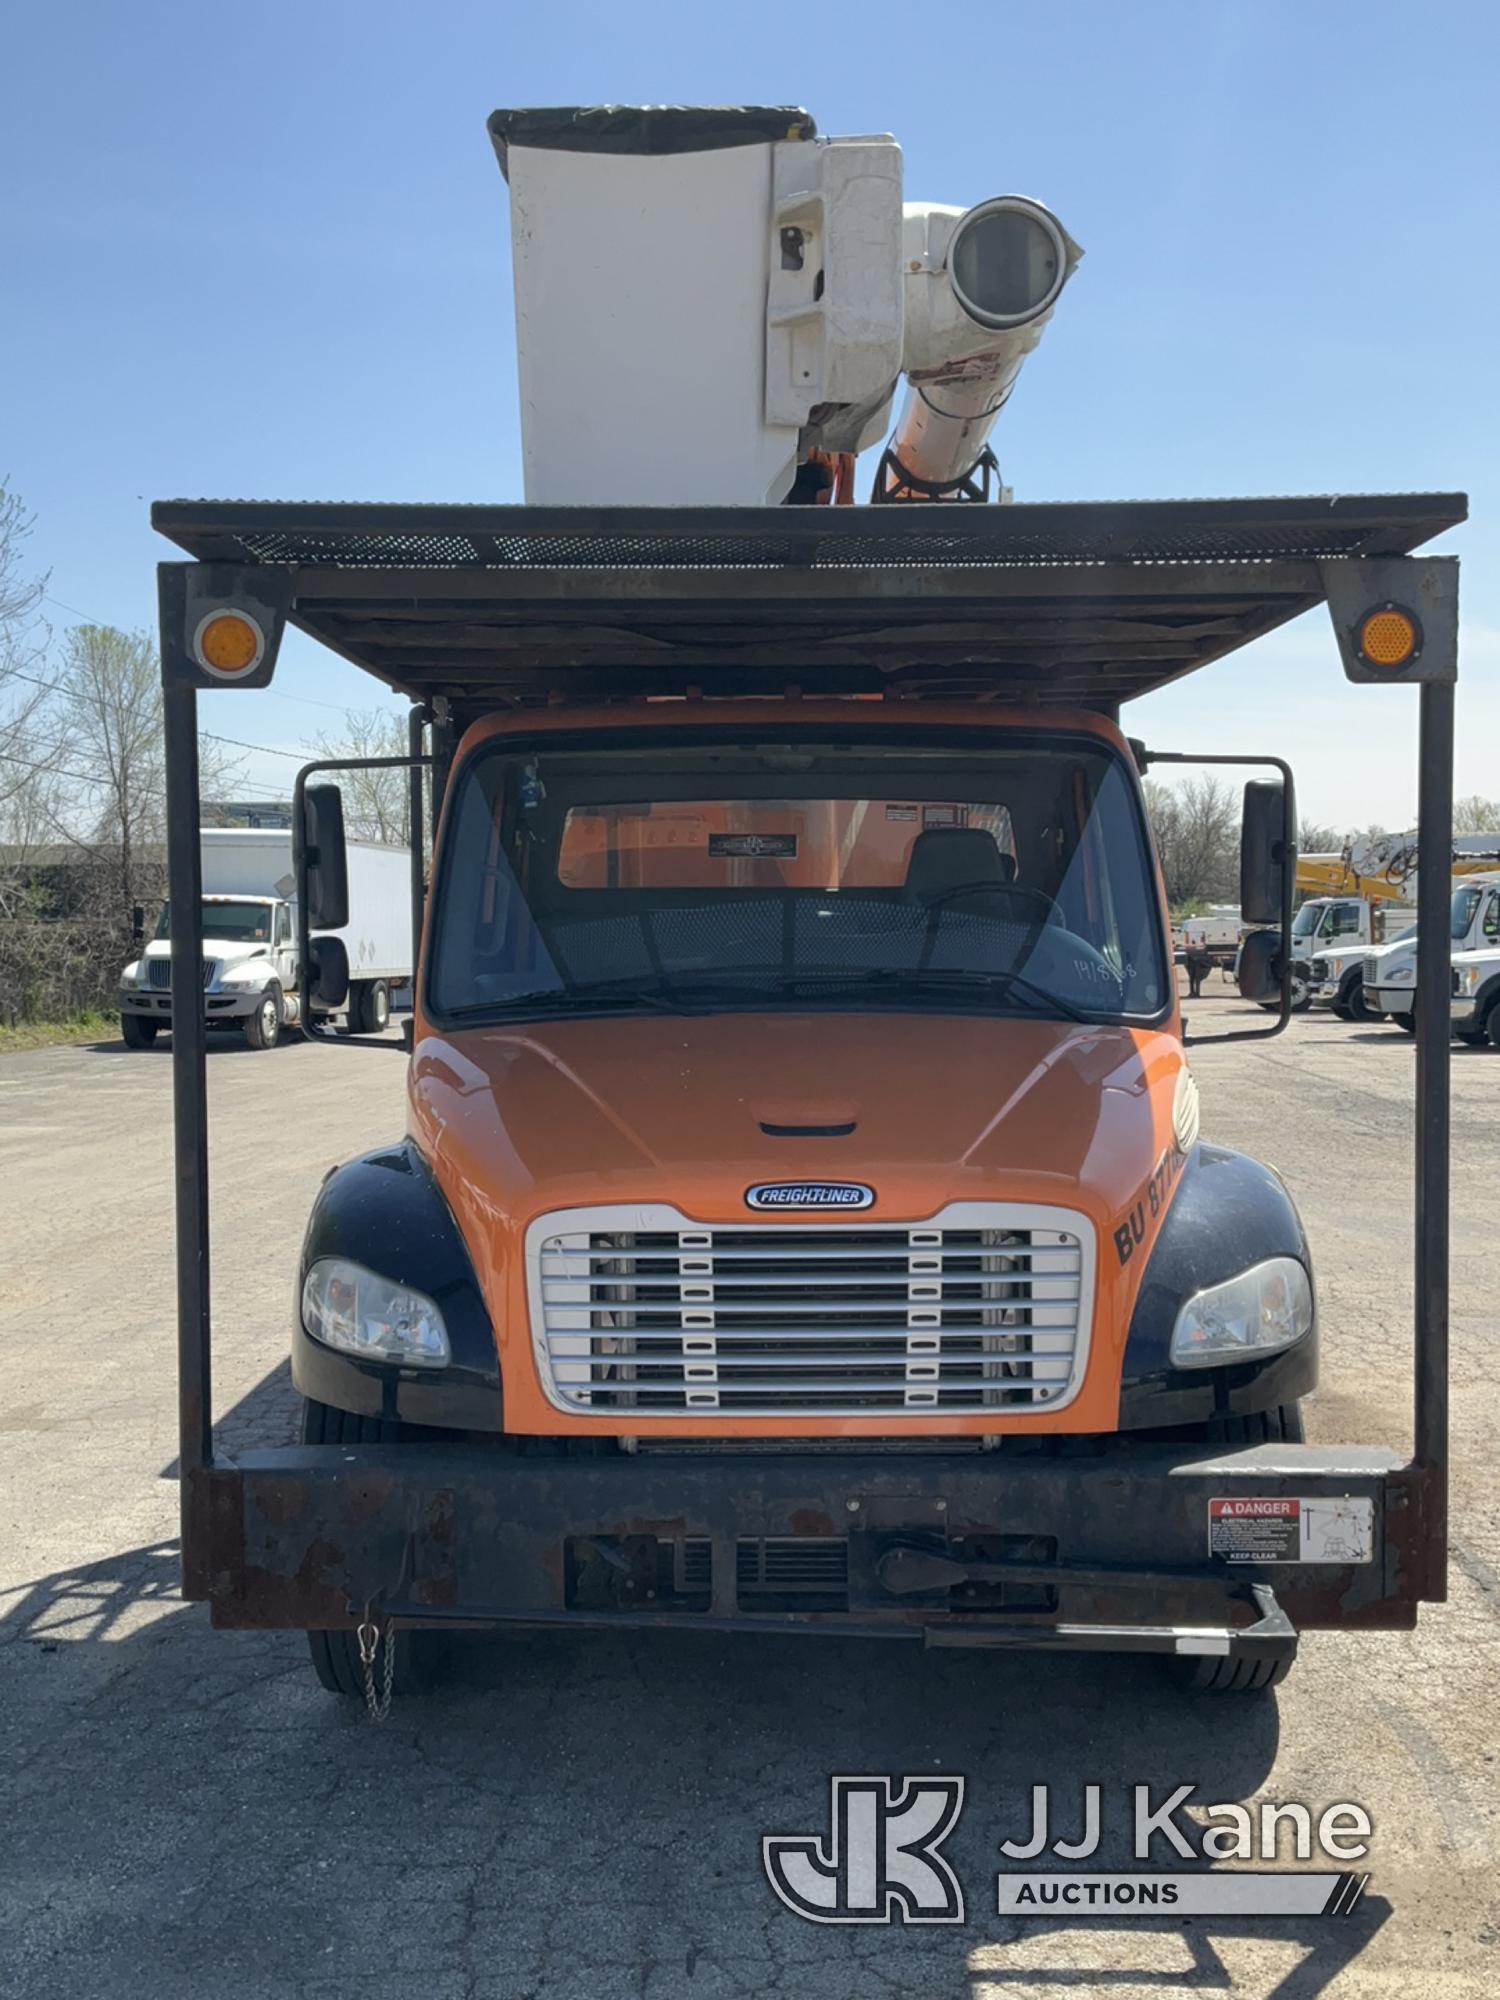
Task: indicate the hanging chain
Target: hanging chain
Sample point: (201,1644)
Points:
(370,1636)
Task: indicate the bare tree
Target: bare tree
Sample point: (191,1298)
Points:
(376,803)
(1315,838)
(110,700)
(1196,825)
(23,644)
(1476,814)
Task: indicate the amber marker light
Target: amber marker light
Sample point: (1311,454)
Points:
(1388,638)
(229,645)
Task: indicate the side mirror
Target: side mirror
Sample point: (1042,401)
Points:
(1268,850)
(137,925)
(328,980)
(322,860)
(1259,968)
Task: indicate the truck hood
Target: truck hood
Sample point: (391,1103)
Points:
(1378,955)
(520,1122)
(228,951)
(1388,959)
(693,1110)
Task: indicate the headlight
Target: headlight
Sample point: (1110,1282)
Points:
(1400,975)
(353,1309)
(1468,979)
(130,978)
(243,975)
(1263,1309)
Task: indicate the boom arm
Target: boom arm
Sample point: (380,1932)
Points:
(1383,869)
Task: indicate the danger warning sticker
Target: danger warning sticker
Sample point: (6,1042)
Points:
(1292,1531)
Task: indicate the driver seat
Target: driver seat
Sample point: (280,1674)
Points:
(945,859)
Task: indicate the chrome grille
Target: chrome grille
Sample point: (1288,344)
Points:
(159,973)
(985,1308)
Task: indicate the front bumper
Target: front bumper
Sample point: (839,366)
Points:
(154,1005)
(1108,1547)
(1389,999)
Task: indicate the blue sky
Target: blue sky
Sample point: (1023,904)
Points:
(262,252)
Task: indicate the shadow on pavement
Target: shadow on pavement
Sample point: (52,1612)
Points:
(1331,1945)
(221,1041)
(191,1811)
(194,1815)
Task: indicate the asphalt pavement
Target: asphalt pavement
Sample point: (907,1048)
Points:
(185,1815)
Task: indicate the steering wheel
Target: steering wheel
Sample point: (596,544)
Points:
(1010,891)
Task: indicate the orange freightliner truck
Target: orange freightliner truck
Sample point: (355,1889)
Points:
(802,1220)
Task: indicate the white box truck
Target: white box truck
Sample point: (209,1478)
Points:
(251,978)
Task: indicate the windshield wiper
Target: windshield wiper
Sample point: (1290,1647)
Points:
(578,1000)
(699,992)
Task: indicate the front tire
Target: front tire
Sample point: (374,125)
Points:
(1350,1002)
(1492,1026)
(1301,998)
(263,1027)
(1359,1007)
(1283,1425)
(335,1655)
(1220,1673)
(136,1032)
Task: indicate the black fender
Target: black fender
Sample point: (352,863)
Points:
(1352,979)
(1228,1213)
(386,1211)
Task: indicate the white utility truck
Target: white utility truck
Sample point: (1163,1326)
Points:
(1473,926)
(1335,937)
(797,1103)
(1476,996)
(250,973)
(1359,902)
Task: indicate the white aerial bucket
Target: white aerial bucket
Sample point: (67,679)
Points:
(701,295)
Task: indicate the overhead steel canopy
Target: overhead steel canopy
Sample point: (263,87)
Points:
(1076,604)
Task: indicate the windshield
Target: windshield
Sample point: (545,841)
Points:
(1306,920)
(231,923)
(1011,875)
(1465,903)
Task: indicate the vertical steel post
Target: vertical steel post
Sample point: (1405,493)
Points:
(190,1131)
(1432,1000)
(415,795)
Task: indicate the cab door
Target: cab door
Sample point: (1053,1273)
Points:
(284,948)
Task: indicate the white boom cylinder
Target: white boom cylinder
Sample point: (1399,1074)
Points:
(981,287)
